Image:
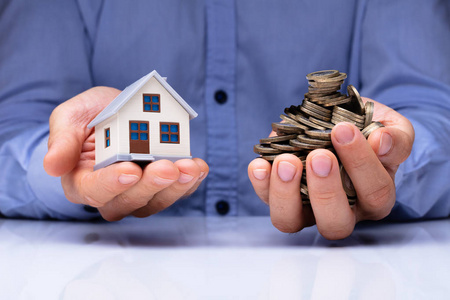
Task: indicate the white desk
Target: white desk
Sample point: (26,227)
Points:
(220,258)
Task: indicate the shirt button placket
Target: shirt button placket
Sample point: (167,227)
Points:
(221,194)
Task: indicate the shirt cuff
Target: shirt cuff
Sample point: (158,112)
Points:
(49,192)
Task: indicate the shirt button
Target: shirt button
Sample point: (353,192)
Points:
(221,97)
(222,207)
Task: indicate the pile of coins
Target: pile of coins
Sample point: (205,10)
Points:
(308,126)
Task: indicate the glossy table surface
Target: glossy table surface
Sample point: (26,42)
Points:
(221,258)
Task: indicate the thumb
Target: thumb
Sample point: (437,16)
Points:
(68,130)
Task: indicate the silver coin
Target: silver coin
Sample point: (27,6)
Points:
(304,189)
(328,90)
(340,118)
(347,113)
(317,98)
(340,77)
(292,109)
(341,100)
(368,108)
(312,105)
(347,182)
(261,149)
(293,122)
(319,134)
(318,84)
(307,140)
(285,128)
(371,128)
(301,145)
(346,119)
(328,125)
(285,147)
(305,121)
(356,99)
(277,139)
(322,74)
(317,115)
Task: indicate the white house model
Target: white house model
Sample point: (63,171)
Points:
(146,122)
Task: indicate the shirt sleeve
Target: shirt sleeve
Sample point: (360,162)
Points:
(44,60)
(404,63)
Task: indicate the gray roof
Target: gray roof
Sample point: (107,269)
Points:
(132,89)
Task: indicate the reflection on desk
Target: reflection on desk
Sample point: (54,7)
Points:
(221,258)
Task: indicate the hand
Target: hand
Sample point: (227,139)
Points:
(371,165)
(120,189)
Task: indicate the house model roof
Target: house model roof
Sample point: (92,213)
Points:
(132,89)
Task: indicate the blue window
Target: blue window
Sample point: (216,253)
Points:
(144,136)
(134,136)
(152,103)
(170,132)
(134,126)
(107,137)
(143,126)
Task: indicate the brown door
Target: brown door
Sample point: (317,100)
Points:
(139,137)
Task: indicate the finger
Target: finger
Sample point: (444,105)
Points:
(391,145)
(375,188)
(97,188)
(156,177)
(68,129)
(334,217)
(284,193)
(204,170)
(64,144)
(259,175)
(189,173)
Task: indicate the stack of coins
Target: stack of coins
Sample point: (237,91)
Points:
(306,127)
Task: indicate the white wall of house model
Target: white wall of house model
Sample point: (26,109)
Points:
(146,122)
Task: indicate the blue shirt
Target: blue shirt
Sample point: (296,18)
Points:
(257,52)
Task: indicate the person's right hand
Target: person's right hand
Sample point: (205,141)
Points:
(120,189)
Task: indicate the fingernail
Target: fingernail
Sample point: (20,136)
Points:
(286,171)
(260,174)
(321,165)
(128,178)
(385,144)
(185,178)
(344,134)
(202,176)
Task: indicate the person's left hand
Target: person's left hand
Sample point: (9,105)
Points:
(371,165)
